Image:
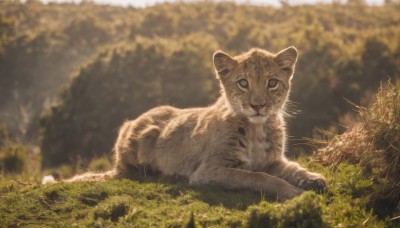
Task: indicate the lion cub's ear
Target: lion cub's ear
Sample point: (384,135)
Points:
(223,63)
(286,59)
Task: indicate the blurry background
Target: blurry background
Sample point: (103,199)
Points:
(276,3)
(72,73)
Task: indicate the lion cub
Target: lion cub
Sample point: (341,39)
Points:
(238,142)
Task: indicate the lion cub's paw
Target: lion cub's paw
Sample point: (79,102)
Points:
(289,193)
(315,182)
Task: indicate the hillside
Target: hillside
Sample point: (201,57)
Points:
(155,202)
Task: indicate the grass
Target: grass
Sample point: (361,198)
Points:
(171,202)
(374,144)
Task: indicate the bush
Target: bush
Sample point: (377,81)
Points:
(13,159)
(4,136)
(122,82)
(100,164)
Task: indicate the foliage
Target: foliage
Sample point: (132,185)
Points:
(4,136)
(100,164)
(120,83)
(13,159)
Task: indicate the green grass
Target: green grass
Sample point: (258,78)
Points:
(170,202)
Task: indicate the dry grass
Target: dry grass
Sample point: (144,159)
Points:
(374,144)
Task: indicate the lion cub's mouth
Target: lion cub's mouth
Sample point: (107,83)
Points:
(258,114)
(258,118)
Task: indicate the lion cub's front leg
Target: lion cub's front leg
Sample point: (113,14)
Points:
(232,178)
(297,176)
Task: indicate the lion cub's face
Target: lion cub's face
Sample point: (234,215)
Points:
(257,83)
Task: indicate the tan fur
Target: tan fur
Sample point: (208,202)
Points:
(229,143)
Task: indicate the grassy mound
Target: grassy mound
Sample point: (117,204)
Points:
(159,201)
(374,144)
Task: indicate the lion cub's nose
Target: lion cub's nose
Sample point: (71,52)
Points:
(257,107)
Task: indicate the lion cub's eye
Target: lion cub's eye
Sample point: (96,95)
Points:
(273,83)
(243,83)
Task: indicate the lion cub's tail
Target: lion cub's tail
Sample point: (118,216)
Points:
(85,177)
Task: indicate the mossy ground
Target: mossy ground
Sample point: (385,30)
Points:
(170,202)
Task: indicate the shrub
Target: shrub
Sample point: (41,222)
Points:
(122,82)
(13,159)
(100,164)
(4,136)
